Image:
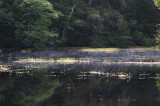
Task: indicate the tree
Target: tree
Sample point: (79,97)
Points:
(157,3)
(142,16)
(95,23)
(29,22)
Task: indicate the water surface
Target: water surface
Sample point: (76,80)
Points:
(81,77)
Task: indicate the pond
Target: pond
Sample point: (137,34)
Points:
(80,77)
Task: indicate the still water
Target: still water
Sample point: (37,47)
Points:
(80,77)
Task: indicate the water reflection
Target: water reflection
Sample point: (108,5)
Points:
(26,89)
(139,86)
(114,77)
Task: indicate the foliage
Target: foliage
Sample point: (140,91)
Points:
(95,23)
(157,3)
(157,38)
(29,22)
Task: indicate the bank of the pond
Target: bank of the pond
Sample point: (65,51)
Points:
(75,48)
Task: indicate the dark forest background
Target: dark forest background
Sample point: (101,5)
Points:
(79,23)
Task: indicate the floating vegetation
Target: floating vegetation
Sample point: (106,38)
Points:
(109,50)
(5,68)
(68,58)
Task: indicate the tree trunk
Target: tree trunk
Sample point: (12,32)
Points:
(64,30)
